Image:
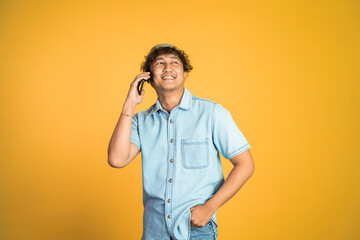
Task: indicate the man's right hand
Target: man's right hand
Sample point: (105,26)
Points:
(133,95)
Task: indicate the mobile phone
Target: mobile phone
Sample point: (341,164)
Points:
(141,84)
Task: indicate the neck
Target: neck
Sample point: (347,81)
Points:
(170,100)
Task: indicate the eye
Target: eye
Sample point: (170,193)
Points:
(158,63)
(175,62)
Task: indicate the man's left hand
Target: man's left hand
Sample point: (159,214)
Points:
(200,215)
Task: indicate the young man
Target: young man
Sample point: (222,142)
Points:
(180,138)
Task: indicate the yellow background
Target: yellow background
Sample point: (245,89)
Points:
(288,71)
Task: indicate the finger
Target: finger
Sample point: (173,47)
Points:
(193,224)
(144,74)
(138,79)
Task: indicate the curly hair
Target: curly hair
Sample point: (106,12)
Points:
(154,53)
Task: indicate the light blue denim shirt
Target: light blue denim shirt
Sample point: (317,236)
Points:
(181,164)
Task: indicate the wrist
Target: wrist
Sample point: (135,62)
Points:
(128,107)
(211,206)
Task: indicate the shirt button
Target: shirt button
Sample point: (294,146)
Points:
(171,140)
(168,200)
(168,216)
(170,120)
(170,180)
(171,160)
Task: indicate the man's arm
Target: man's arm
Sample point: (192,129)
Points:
(243,169)
(120,150)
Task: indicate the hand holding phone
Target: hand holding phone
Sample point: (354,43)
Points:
(136,92)
(141,84)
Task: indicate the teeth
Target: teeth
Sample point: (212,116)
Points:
(168,77)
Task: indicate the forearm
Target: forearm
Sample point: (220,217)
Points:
(236,179)
(119,146)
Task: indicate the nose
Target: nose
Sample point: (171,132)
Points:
(167,67)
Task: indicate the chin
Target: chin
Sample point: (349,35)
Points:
(167,88)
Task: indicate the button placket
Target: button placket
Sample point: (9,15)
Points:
(170,166)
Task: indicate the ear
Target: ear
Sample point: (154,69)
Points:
(185,75)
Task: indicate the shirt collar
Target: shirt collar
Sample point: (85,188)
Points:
(185,103)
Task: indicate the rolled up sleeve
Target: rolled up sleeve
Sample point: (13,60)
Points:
(227,137)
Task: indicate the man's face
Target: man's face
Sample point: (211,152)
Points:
(167,72)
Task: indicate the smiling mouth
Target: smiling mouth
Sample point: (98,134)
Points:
(168,78)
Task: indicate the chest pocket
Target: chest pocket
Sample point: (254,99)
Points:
(195,153)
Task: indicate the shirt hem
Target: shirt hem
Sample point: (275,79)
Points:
(136,143)
(238,151)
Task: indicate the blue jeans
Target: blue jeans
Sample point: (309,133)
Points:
(207,232)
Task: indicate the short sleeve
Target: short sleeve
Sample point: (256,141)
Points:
(227,137)
(135,139)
